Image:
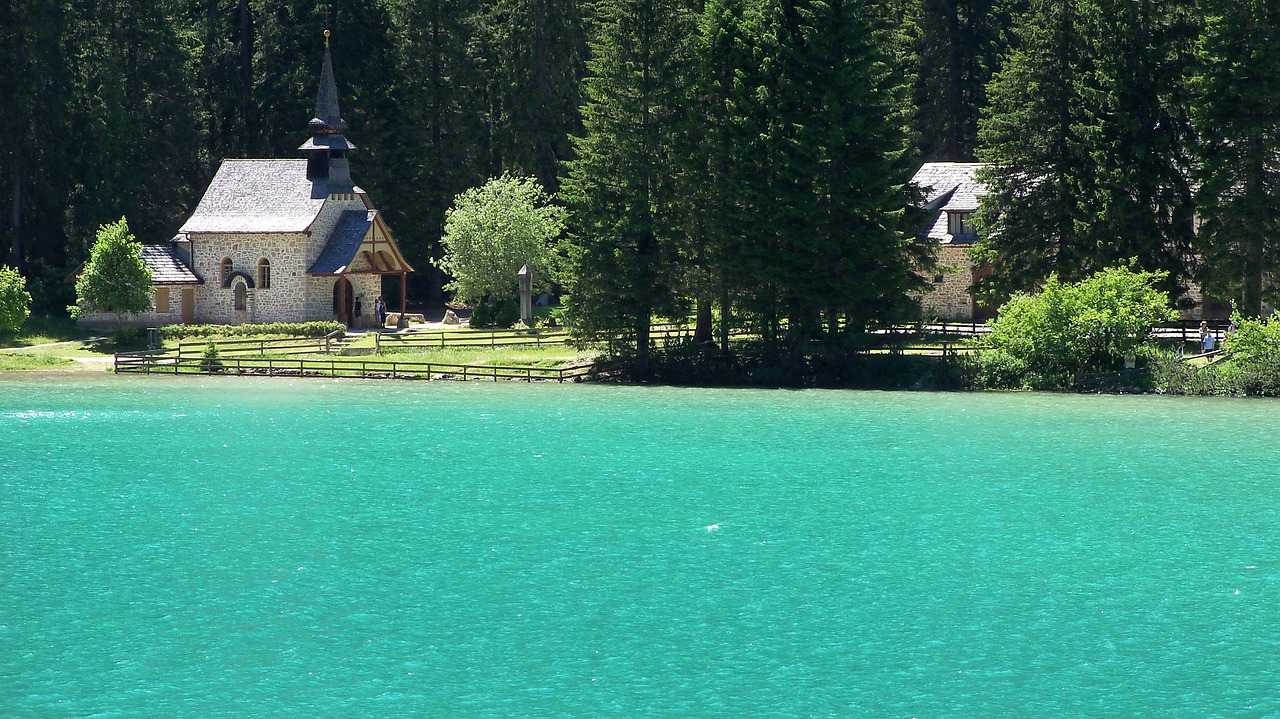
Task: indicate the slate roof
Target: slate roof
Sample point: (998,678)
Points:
(948,187)
(345,241)
(258,196)
(167,268)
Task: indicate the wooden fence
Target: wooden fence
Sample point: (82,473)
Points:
(353,367)
(470,339)
(279,346)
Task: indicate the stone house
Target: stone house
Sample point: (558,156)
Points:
(278,240)
(950,192)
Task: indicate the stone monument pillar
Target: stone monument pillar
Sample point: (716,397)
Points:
(526,295)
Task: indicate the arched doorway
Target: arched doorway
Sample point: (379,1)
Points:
(343,300)
(239,301)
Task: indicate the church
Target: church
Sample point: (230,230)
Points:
(278,240)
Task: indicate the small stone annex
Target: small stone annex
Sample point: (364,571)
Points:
(951,191)
(278,240)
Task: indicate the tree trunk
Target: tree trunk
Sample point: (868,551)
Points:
(15,216)
(702,333)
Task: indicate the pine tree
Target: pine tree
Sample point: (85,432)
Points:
(1087,133)
(622,190)
(1038,215)
(443,125)
(1141,136)
(539,50)
(957,50)
(1237,114)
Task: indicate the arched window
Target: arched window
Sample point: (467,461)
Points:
(264,273)
(242,296)
(226,270)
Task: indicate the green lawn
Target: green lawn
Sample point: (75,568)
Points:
(26,361)
(44,329)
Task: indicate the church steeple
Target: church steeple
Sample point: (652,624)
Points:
(327,148)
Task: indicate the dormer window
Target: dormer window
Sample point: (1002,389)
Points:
(960,224)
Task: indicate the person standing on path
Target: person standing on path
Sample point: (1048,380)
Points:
(380,311)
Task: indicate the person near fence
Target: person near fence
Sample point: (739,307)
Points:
(380,311)
(1206,337)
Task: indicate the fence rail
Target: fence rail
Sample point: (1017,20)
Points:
(442,339)
(167,363)
(287,345)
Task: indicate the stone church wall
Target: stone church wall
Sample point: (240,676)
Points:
(282,301)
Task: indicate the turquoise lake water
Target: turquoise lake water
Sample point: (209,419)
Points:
(187,547)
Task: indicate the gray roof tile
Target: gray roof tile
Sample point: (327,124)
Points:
(948,187)
(167,268)
(343,244)
(258,196)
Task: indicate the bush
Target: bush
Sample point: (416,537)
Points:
(492,313)
(1049,340)
(288,329)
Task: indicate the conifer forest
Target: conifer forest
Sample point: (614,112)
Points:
(747,158)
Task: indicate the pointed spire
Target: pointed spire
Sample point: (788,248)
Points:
(326,148)
(329,119)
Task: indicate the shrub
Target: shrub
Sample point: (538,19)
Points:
(288,329)
(1048,340)
(492,313)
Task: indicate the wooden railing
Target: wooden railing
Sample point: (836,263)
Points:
(285,346)
(472,338)
(167,363)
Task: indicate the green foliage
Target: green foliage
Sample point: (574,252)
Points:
(287,329)
(624,190)
(15,301)
(806,160)
(209,361)
(956,45)
(494,230)
(495,313)
(115,279)
(1049,339)
(1087,135)
(1237,114)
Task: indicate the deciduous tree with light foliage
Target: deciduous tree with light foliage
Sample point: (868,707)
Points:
(15,301)
(115,279)
(1046,340)
(494,230)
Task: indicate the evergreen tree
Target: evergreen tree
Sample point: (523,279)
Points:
(958,44)
(539,60)
(1141,136)
(810,166)
(443,126)
(1087,133)
(36,94)
(1038,215)
(622,190)
(1237,114)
